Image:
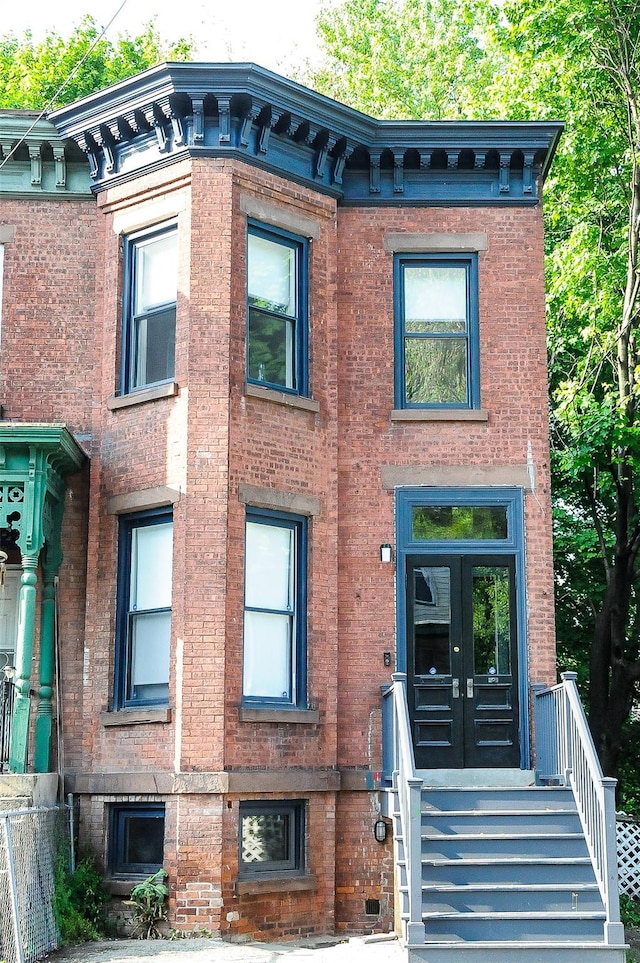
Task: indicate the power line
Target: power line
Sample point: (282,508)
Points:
(62,86)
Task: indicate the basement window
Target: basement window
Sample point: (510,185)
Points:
(136,839)
(271,837)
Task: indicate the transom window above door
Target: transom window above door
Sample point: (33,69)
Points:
(436,309)
(276,309)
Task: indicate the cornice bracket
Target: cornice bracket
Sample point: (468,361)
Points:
(398,172)
(505,164)
(35,157)
(60,166)
(527,173)
(247,124)
(197,105)
(374,173)
(224,120)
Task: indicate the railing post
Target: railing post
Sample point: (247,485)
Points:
(415,924)
(613,928)
(568,679)
(540,734)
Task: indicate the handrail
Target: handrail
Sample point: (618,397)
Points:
(565,754)
(408,786)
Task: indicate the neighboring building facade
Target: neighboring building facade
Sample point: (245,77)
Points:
(288,364)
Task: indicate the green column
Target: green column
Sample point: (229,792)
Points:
(24,650)
(42,753)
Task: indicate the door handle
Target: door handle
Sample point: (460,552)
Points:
(456,689)
(469,688)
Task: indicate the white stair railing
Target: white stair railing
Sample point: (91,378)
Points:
(408,787)
(565,754)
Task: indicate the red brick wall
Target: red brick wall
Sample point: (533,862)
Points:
(514,391)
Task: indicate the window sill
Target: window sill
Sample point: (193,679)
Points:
(440,414)
(135,717)
(122,885)
(269,714)
(282,398)
(275,884)
(168,390)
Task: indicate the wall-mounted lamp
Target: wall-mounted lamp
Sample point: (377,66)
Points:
(386,552)
(380,830)
(9,672)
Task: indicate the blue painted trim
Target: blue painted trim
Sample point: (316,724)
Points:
(513,500)
(301,340)
(472,338)
(128,358)
(116,846)
(299,524)
(126,525)
(281,126)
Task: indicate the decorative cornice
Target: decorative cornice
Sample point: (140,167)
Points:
(242,110)
(34,160)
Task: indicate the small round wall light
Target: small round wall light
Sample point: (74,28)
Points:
(385,552)
(380,830)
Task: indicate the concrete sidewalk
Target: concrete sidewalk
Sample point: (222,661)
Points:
(367,949)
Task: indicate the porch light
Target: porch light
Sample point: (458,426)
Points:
(386,552)
(380,828)
(9,672)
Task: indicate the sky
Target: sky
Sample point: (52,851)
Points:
(277,34)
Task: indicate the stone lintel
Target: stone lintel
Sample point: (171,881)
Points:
(454,476)
(430,243)
(139,501)
(278,500)
(279,216)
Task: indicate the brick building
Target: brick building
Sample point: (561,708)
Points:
(274,427)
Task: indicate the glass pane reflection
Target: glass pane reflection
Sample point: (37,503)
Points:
(432,620)
(491,620)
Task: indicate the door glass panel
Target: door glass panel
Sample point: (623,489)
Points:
(457,522)
(432,620)
(491,620)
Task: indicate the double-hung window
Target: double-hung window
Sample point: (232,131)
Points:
(274,658)
(436,309)
(149,316)
(144,609)
(277,335)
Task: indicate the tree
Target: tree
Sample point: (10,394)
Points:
(34,73)
(545,59)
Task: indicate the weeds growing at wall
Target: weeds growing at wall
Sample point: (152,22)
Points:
(79,901)
(148,901)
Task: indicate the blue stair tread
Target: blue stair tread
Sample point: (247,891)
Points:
(438,837)
(507,860)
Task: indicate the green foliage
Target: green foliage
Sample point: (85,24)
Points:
(148,902)
(79,901)
(33,72)
(409,58)
(629,910)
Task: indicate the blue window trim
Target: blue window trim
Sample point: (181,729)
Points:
(126,525)
(118,815)
(128,357)
(299,524)
(470,263)
(301,320)
(294,809)
(513,500)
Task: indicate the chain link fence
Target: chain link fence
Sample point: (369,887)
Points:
(30,841)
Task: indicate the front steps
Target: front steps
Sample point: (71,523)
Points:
(506,876)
